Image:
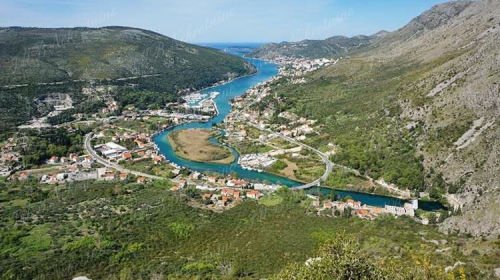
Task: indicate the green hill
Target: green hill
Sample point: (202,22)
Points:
(332,47)
(37,55)
(73,58)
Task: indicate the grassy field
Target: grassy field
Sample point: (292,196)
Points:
(193,144)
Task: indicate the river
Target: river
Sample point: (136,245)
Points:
(228,91)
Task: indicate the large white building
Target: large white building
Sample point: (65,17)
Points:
(111,150)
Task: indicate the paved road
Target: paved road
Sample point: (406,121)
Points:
(328,164)
(115,166)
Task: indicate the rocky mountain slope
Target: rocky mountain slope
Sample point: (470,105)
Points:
(331,47)
(429,90)
(459,101)
(36,55)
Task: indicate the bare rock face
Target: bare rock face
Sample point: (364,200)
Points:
(438,15)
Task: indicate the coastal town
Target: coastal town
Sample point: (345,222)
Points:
(123,148)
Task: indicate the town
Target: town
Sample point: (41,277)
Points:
(121,147)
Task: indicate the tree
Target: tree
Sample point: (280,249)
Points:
(342,258)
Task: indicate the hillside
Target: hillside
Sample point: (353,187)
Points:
(37,55)
(70,58)
(337,46)
(331,47)
(419,108)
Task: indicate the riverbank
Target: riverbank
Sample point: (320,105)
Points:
(194,145)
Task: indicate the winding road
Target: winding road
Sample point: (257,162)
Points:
(328,164)
(115,166)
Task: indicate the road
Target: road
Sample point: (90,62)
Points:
(328,164)
(115,166)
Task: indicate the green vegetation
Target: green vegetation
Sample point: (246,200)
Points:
(355,103)
(331,47)
(195,145)
(341,178)
(278,166)
(103,55)
(41,145)
(162,169)
(86,107)
(341,258)
(249,147)
(108,230)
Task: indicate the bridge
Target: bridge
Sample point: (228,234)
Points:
(328,164)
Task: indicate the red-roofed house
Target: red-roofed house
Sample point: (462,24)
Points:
(212,179)
(157,159)
(328,205)
(254,194)
(377,211)
(141,180)
(53,160)
(227,192)
(362,213)
(123,176)
(236,195)
(140,144)
(73,157)
(108,176)
(182,184)
(350,202)
(127,155)
(88,159)
(23,176)
(237,183)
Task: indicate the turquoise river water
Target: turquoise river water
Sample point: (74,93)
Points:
(234,89)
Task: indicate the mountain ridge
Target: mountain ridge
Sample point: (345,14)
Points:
(430,87)
(63,60)
(101,53)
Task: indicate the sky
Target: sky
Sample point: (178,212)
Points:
(208,21)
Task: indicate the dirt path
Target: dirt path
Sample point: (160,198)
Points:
(289,170)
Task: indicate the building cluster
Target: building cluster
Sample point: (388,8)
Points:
(297,67)
(202,102)
(363,211)
(256,161)
(223,197)
(74,168)
(144,150)
(297,127)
